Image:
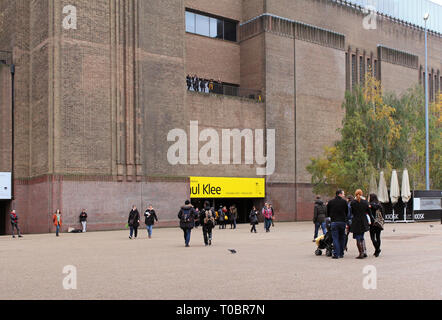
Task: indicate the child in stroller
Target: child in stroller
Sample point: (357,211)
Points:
(325,241)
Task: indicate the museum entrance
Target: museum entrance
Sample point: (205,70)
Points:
(4,206)
(244,205)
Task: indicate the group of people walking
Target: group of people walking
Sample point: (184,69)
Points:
(267,212)
(194,83)
(351,215)
(133,222)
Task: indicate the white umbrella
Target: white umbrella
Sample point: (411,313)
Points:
(394,188)
(382,191)
(406,193)
(373,186)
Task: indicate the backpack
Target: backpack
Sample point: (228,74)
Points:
(186,215)
(322,210)
(379,220)
(209,220)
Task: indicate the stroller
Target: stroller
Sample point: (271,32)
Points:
(325,241)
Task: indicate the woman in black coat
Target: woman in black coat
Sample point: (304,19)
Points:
(359,225)
(375,230)
(253,216)
(133,221)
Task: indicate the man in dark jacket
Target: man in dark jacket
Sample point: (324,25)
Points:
(319,214)
(207,221)
(150,217)
(14,223)
(337,210)
(133,221)
(83,219)
(187,220)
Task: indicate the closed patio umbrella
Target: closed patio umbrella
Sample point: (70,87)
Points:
(382,191)
(394,190)
(405,191)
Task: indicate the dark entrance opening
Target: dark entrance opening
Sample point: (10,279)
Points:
(4,207)
(244,205)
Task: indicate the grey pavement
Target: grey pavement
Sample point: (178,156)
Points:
(276,265)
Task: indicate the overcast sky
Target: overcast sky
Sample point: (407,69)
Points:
(439,2)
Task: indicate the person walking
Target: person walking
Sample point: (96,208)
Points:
(133,221)
(273,214)
(56,219)
(377,223)
(150,217)
(83,219)
(337,210)
(319,213)
(350,198)
(233,216)
(267,213)
(359,225)
(253,217)
(207,221)
(14,223)
(187,220)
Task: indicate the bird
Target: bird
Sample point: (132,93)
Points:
(233,251)
(431,226)
(394,230)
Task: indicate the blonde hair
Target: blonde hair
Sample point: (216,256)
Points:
(358,195)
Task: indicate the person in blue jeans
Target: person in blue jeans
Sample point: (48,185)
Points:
(319,214)
(337,210)
(150,217)
(187,220)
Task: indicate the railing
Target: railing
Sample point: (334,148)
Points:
(224,89)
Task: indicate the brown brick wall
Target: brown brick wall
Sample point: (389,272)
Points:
(231,9)
(5,119)
(212,58)
(392,82)
(318,106)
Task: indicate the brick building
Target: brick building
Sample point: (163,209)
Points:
(94,104)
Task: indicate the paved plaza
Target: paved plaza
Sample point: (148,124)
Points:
(276,265)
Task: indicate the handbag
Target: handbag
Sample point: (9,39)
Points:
(379,220)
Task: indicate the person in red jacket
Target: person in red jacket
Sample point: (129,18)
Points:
(267,213)
(14,223)
(56,219)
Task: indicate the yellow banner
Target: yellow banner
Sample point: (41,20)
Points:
(215,187)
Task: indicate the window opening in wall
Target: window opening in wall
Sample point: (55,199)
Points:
(210,26)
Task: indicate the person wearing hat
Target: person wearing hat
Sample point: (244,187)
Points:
(187,220)
(14,223)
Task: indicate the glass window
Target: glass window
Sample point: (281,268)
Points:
(230,31)
(216,28)
(190,22)
(202,25)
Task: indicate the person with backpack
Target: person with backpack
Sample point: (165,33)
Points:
(187,220)
(150,217)
(253,217)
(83,219)
(221,218)
(207,221)
(14,223)
(319,213)
(133,221)
(377,223)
